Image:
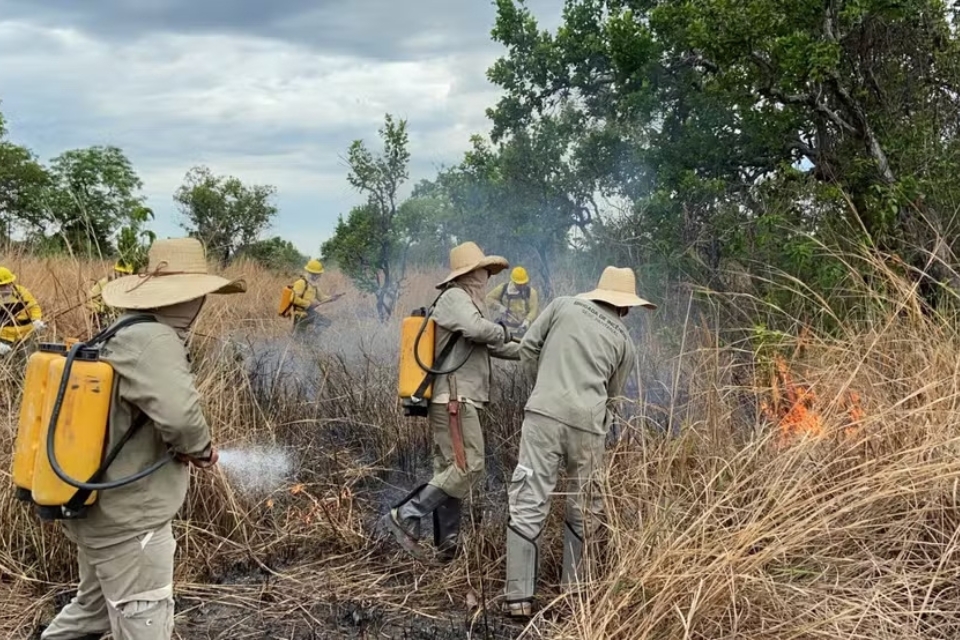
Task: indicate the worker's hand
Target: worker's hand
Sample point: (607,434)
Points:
(205,460)
(524,326)
(5,348)
(506,333)
(39,325)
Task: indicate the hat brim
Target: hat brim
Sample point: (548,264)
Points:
(143,292)
(493,264)
(617,298)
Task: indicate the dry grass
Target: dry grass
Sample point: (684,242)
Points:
(719,532)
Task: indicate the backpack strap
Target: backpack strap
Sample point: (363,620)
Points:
(75,504)
(524,295)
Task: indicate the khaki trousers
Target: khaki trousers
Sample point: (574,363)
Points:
(545,444)
(126,589)
(446,476)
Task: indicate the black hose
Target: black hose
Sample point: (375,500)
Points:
(416,350)
(51,436)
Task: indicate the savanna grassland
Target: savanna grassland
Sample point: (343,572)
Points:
(718,524)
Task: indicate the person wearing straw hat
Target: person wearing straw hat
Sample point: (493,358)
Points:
(457,399)
(125,544)
(580,354)
(517,301)
(101,314)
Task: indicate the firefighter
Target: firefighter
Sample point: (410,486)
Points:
(102,315)
(125,544)
(307,296)
(580,354)
(20,315)
(456,402)
(517,302)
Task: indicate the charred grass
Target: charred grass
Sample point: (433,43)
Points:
(716,527)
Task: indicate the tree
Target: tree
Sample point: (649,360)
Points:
(276,253)
(371,245)
(690,111)
(94,192)
(23,186)
(134,240)
(522,197)
(222,212)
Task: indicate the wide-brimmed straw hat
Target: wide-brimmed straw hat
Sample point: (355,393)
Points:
(469,257)
(176,272)
(618,287)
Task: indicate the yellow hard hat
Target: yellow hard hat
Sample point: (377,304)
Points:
(519,276)
(314,266)
(6,276)
(120,267)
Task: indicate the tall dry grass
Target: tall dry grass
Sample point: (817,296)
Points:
(718,532)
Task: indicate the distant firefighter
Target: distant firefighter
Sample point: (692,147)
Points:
(580,354)
(305,297)
(102,314)
(516,302)
(20,314)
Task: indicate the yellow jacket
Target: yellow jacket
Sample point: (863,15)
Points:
(95,303)
(520,307)
(18,310)
(305,295)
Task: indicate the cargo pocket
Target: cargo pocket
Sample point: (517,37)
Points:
(146,616)
(519,484)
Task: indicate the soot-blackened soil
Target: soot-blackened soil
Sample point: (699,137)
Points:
(323,621)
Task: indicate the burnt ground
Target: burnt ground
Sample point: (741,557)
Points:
(324,620)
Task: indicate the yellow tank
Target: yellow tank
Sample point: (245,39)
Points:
(31,415)
(411,373)
(286,302)
(81,431)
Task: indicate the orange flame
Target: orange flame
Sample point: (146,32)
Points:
(793,409)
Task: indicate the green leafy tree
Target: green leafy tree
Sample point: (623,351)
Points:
(134,240)
(275,253)
(690,111)
(23,186)
(95,191)
(221,211)
(371,244)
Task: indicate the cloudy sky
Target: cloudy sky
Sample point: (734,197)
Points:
(272,92)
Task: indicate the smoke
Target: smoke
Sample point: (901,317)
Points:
(256,471)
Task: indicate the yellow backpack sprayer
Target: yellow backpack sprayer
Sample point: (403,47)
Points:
(417,361)
(286,301)
(62,433)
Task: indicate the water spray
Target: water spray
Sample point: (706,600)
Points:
(256,471)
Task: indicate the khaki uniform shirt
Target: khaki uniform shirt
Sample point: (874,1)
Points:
(581,355)
(481,338)
(152,374)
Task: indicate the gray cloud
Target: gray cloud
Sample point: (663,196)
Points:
(271,92)
(379,29)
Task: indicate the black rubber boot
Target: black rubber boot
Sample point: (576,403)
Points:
(446,529)
(403,521)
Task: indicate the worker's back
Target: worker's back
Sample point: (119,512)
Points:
(582,354)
